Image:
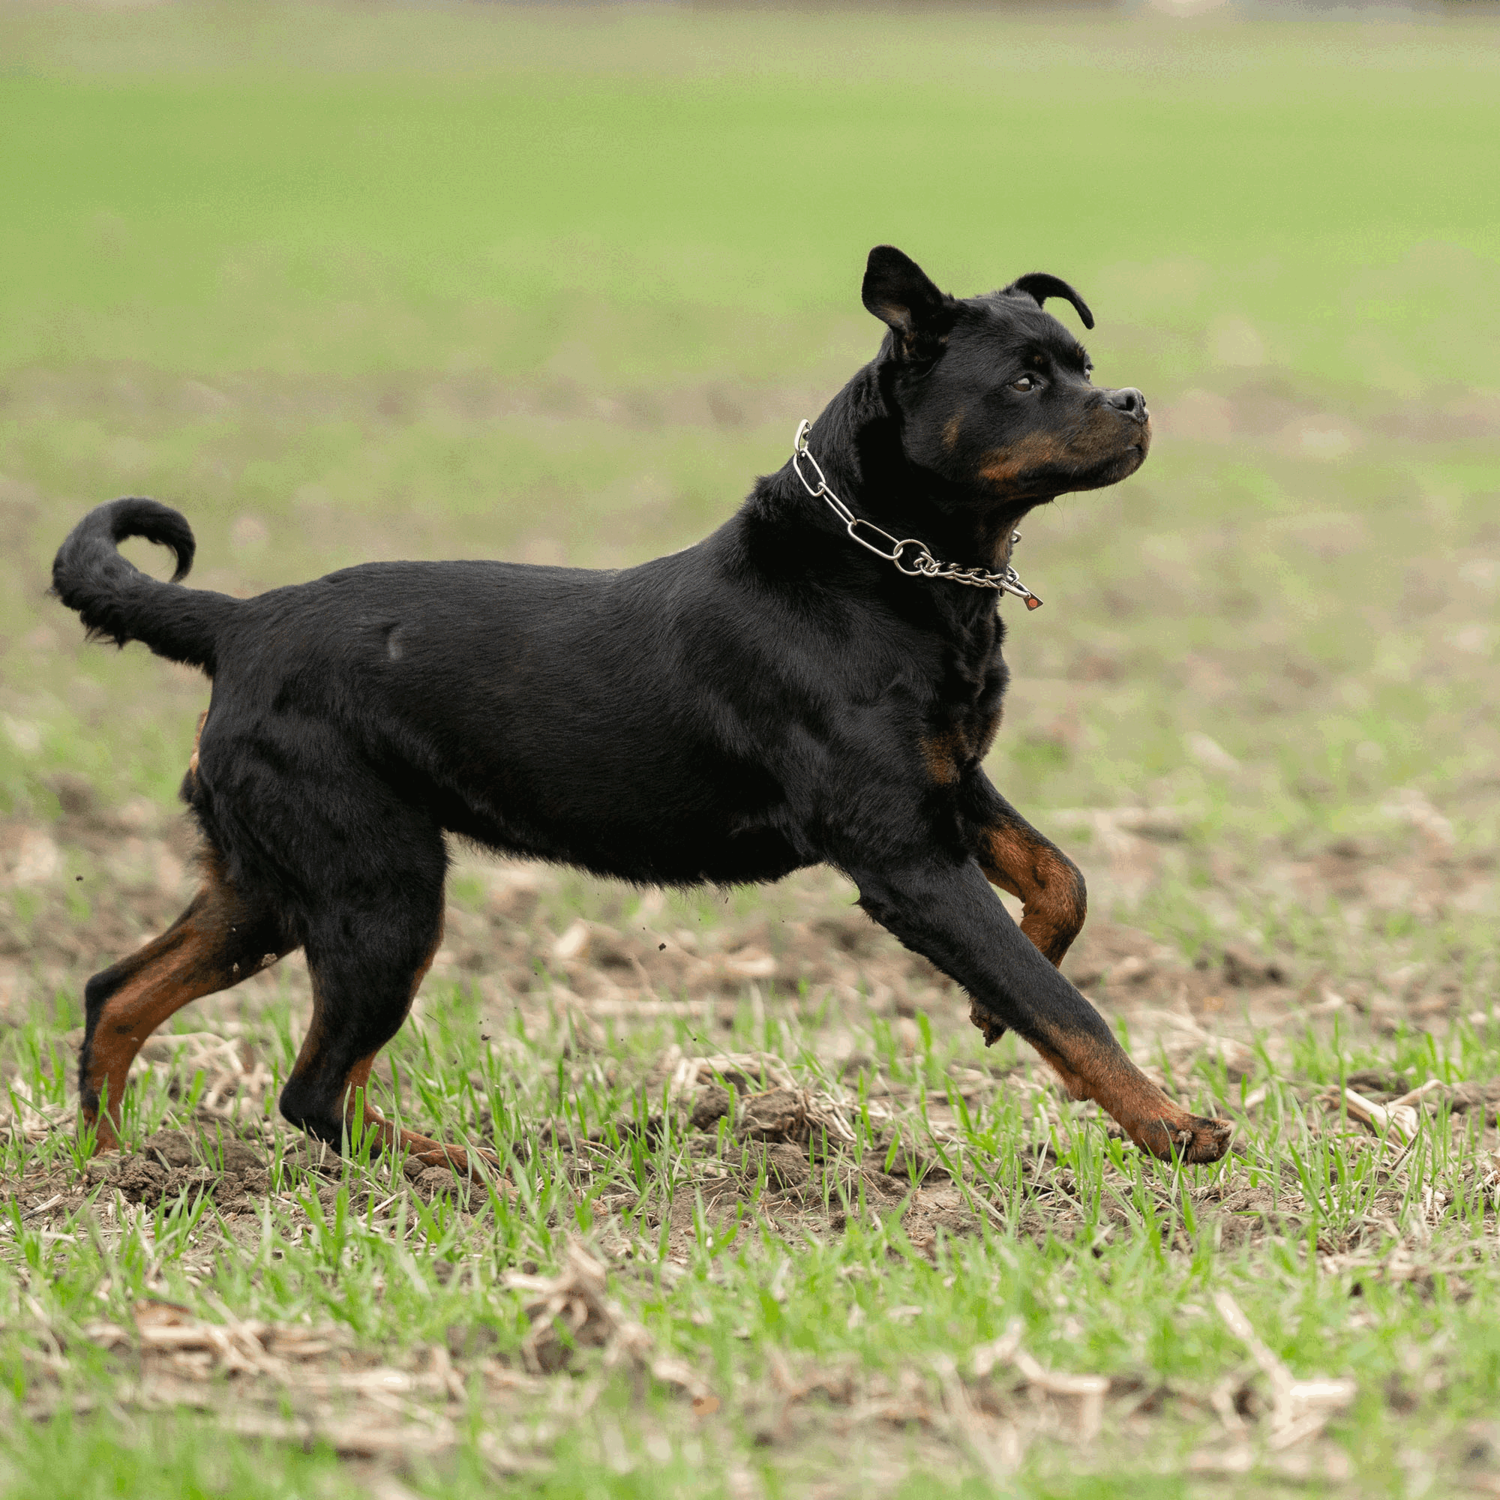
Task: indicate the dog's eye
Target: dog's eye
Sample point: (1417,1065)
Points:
(1025,383)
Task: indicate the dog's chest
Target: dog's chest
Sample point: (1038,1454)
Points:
(964,716)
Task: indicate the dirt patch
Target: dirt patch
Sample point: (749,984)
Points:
(173,1164)
(782,1154)
(765,1143)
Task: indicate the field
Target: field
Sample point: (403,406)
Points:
(433,281)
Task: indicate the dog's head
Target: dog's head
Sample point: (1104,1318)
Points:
(994,393)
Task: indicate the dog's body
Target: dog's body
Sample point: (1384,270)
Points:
(770,698)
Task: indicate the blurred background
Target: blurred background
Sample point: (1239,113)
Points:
(555,284)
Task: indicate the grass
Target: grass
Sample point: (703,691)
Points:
(812,1351)
(442,281)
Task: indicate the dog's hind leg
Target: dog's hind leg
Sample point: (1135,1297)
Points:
(368,948)
(219,940)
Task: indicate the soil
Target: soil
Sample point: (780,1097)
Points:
(759,1140)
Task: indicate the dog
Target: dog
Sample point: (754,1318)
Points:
(818,681)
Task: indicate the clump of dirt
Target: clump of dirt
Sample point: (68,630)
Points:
(236,1174)
(1244,970)
(793,1161)
(172,1163)
(777,1115)
(712,1105)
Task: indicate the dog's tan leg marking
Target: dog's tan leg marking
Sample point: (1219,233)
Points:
(1143,1111)
(1015,857)
(1050,887)
(422,1148)
(214,944)
(197,738)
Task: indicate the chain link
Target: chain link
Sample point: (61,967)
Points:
(921,564)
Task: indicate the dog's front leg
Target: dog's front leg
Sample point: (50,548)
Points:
(947,912)
(1018,859)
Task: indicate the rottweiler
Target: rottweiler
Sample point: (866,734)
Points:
(818,681)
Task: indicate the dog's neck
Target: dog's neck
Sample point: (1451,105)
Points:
(857,442)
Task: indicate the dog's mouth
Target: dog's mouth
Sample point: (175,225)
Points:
(1126,462)
(1043,465)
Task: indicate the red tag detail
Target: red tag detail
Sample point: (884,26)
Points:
(1033,602)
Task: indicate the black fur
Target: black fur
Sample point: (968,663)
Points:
(1039,286)
(764,700)
(116,601)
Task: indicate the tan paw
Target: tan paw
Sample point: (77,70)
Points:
(476,1165)
(1187,1138)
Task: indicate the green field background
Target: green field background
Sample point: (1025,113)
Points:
(555,284)
(226,189)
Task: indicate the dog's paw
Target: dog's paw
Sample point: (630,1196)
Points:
(481,1166)
(990,1028)
(476,1164)
(1187,1138)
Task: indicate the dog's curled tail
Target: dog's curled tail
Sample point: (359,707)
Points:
(117,602)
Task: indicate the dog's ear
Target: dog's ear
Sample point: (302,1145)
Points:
(899,293)
(1039,286)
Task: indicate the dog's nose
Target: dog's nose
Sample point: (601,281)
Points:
(1130,401)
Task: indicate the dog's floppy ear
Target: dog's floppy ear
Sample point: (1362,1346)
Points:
(899,293)
(1039,285)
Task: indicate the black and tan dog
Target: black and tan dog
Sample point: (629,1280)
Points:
(794,689)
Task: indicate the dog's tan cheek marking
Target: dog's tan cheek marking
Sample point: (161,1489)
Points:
(1038,450)
(951,429)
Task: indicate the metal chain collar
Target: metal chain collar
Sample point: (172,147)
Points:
(921,564)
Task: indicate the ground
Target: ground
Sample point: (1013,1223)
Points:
(772,1220)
